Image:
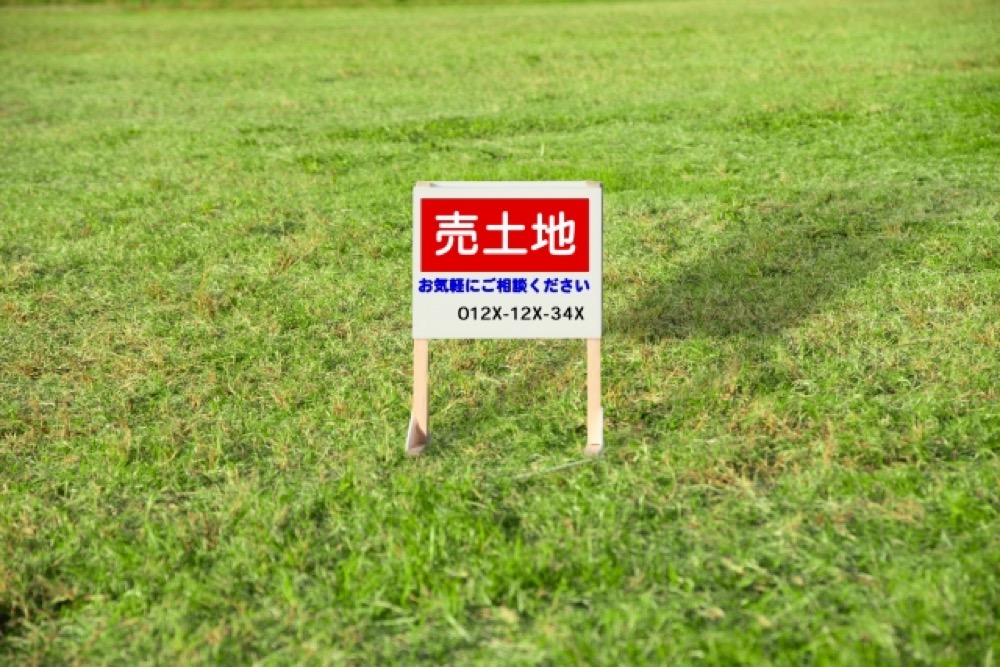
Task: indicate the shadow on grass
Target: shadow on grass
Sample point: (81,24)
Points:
(773,265)
(776,264)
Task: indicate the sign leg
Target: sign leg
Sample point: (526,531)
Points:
(418,434)
(595,413)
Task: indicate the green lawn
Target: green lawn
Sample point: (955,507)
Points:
(205,337)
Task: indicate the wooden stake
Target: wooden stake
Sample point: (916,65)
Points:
(595,413)
(418,435)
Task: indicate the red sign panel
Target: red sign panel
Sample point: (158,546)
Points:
(504,235)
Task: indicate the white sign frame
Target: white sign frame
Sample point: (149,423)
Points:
(436,316)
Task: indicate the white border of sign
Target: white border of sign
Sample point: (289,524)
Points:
(435,315)
(418,434)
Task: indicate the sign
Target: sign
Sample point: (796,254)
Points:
(506,260)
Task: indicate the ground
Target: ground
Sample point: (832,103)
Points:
(205,364)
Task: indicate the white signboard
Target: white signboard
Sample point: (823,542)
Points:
(507,260)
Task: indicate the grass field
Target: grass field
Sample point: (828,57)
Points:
(205,360)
